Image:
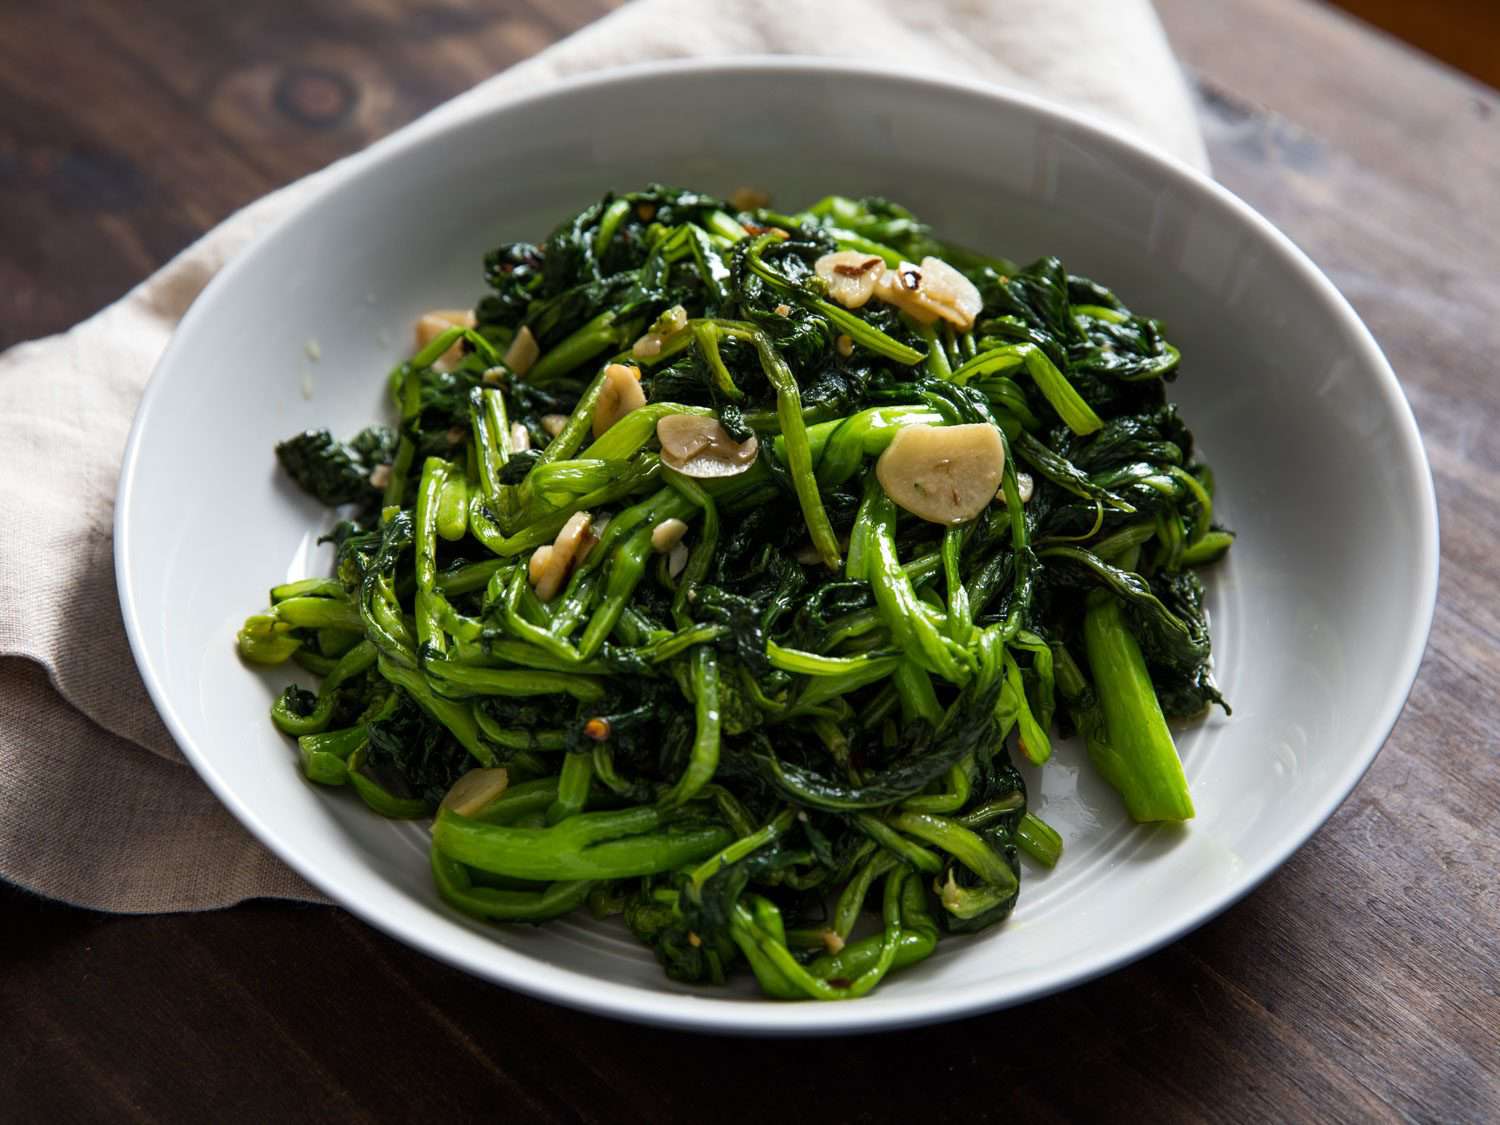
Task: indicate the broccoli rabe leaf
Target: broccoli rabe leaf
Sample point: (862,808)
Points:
(410,746)
(337,472)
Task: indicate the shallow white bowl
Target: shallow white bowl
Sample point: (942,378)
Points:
(1320,613)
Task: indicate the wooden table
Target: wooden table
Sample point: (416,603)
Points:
(1359,982)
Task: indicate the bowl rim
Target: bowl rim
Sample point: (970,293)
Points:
(876,1012)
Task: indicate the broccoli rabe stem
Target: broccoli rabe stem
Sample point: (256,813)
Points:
(595,845)
(896,598)
(704,759)
(1069,404)
(916,939)
(799,460)
(573,785)
(1039,840)
(586,342)
(458,890)
(1210,547)
(909,935)
(1140,759)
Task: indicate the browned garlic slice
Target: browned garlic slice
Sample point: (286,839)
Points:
(620,395)
(433,324)
(943,474)
(474,790)
(550,565)
(851,275)
(931,291)
(522,353)
(697,446)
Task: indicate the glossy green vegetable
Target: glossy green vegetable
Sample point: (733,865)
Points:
(746,703)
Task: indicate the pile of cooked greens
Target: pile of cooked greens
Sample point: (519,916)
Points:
(718,558)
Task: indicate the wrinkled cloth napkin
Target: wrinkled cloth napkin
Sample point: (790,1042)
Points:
(97,806)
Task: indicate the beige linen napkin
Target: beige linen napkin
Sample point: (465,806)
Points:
(97,806)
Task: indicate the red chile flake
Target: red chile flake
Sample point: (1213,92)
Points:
(646,211)
(840,982)
(856,271)
(597,729)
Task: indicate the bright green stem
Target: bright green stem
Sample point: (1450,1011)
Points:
(962,844)
(1140,759)
(917,937)
(597,845)
(911,628)
(1209,548)
(457,680)
(704,759)
(1039,840)
(458,891)
(771,831)
(586,342)
(798,451)
(1077,414)
(352,663)
(609,222)
(572,787)
(918,699)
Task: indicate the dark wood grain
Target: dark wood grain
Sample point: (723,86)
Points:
(1463,33)
(1358,983)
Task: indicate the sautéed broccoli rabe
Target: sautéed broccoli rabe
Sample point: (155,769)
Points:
(719,562)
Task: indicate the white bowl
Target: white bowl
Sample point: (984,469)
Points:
(1320,613)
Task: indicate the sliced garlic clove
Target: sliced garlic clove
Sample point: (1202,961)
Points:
(522,353)
(902,287)
(851,276)
(943,474)
(554,424)
(667,534)
(932,291)
(620,395)
(550,565)
(474,790)
(539,567)
(698,446)
(951,294)
(677,560)
(572,534)
(520,438)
